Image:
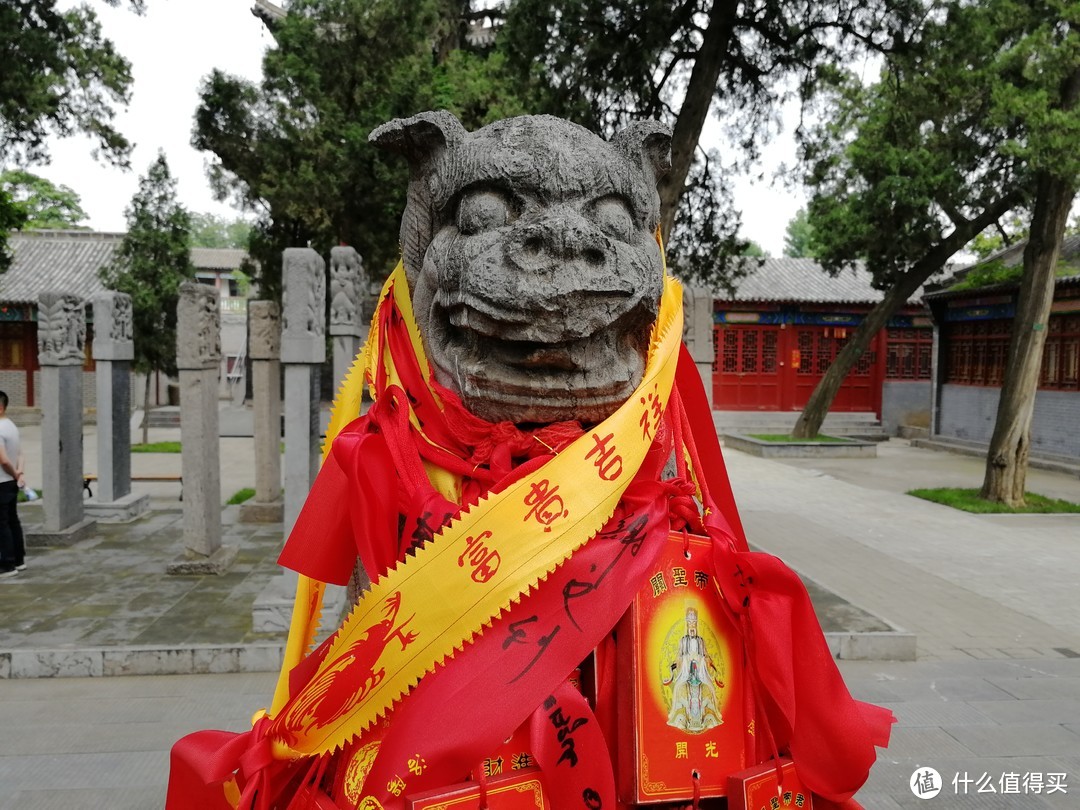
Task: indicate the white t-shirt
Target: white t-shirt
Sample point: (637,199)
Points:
(9,435)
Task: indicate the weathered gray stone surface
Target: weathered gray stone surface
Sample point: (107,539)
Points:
(198,333)
(113,327)
(198,347)
(303,350)
(265,349)
(698,332)
(535,289)
(61,351)
(303,334)
(347,281)
(114,349)
(347,284)
(61,329)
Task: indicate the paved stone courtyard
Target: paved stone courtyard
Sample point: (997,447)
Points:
(995,691)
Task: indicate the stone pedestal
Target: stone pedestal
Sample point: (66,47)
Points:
(303,350)
(114,350)
(61,352)
(197,359)
(264,348)
(347,282)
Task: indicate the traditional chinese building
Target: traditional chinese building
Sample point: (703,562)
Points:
(69,261)
(775,338)
(973,315)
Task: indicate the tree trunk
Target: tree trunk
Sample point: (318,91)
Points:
(809,422)
(1007,457)
(695,108)
(146,410)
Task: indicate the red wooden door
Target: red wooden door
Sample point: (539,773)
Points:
(817,347)
(746,368)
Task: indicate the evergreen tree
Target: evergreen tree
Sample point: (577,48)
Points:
(212,231)
(603,64)
(949,141)
(45,205)
(59,75)
(149,265)
(799,237)
(293,148)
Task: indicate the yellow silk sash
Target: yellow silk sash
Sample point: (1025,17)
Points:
(424,610)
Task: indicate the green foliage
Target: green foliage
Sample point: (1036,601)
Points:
(241,495)
(156,447)
(46,206)
(969,501)
(754,250)
(1002,234)
(605,64)
(12,217)
(212,231)
(799,237)
(294,147)
(150,264)
(58,74)
(969,110)
(988,274)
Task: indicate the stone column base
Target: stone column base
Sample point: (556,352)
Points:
(37,536)
(272,611)
(262,512)
(192,564)
(122,510)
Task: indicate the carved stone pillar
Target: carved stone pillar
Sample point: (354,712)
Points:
(303,351)
(198,357)
(61,353)
(347,283)
(114,349)
(698,333)
(264,348)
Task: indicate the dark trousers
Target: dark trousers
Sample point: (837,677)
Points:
(12,546)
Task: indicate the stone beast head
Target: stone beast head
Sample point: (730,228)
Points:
(531,258)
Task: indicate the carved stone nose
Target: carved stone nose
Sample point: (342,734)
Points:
(562,236)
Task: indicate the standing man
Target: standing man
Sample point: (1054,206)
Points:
(12,547)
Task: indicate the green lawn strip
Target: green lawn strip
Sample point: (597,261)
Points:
(241,495)
(156,447)
(784,437)
(969,501)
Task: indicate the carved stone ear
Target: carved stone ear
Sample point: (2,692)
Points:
(647,142)
(420,137)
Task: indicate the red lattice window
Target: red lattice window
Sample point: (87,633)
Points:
(1061,354)
(976,351)
(768,352)
(907,354)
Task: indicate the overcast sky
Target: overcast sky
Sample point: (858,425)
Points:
(178,42)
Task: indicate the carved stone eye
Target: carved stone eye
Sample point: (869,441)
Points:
(482,210)
(613,217)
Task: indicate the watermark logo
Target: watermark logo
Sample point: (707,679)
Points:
(925,783)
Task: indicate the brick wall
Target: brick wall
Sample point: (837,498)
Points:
(969,412)
(13,383)
(905,402)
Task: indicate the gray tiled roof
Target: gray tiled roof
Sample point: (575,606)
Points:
(1012,256)
(217,258)
(68,261)
(803,280)
(65,261)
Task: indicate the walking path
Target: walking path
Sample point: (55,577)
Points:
(995,692)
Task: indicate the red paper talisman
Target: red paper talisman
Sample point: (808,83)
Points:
(757,788)
(521,790)
(681,684)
